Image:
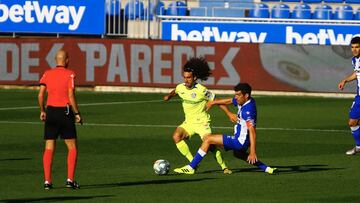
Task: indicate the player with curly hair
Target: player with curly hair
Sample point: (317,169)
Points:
(194,97)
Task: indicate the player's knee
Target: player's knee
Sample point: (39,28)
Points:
(177,137)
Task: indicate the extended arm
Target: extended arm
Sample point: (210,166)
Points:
(252,158)
(41,101)
(74,105)
(226,101)
(233,117)
(351,77)
(170,95)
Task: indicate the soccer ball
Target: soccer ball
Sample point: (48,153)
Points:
(161,167)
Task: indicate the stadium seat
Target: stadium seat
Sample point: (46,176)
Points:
(177,8)
(357,14)
(312,1)
(280,11)
(344,12)
(159,10)
(352,1)
(301,11)
(291,1)
(333,1)
(259,11)
(196,11)
(134,10)
(113,7)
(323,12)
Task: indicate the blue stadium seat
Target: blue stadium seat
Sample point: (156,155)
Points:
(344,12)
(301,11)
(352,1)
(291,1)
(197,11)
(280,11)
(357,14)
(113,7)
(270,0)
(159,10)
(259,11)
(177,8)
(323,12)
(134,10)
(312,1)
(333,1)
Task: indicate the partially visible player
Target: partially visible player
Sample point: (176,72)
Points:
(244,132)
(194,98)
(60,115)
(354,114)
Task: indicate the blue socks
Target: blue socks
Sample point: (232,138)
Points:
(197,159)
(355,131)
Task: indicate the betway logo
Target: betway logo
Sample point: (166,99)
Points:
(32,12)
(323,37)
(212,34)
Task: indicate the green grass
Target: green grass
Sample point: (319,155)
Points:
(115,161)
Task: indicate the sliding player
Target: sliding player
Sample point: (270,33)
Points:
(194,98)
(244,132)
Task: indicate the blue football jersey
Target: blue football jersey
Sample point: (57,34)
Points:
(356,65)
(246,113)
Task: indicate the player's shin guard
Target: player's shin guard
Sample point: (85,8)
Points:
(197,159)
(47,163)
(355,131)
(71,162)
(184,150)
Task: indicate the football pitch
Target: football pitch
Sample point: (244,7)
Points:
(124,133)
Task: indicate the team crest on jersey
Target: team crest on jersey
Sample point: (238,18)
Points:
(248,112)
(193,95)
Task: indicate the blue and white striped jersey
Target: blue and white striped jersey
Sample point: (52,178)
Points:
(247,114)
(356,65)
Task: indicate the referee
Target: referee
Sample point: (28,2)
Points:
(60,115)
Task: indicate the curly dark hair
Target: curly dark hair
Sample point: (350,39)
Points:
(199,67)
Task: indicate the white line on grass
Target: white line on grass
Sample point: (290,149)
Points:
(174,126)
(90,104)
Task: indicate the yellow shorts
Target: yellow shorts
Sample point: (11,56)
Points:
(201,129)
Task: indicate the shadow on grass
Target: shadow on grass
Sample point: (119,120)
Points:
(137,183)
(54,199)
(282,169)
(16,159)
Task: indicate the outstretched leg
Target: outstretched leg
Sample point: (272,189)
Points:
(243,154)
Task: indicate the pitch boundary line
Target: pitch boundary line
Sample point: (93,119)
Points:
(93,104)
(174,126)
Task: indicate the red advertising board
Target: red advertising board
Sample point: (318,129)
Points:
(142,63)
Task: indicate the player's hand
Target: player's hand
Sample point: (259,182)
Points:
(78,119)
(252,158)
(233,117)
(341,85)
(209,104)
(42,116)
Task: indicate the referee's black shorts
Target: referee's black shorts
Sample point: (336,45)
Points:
(59,121)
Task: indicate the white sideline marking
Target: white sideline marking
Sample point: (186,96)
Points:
(174,126)
(91,104)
